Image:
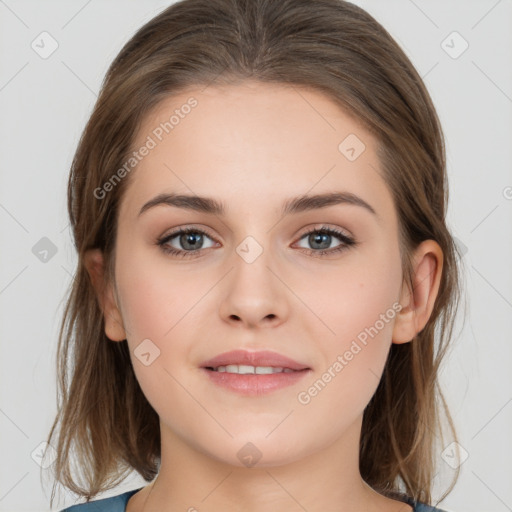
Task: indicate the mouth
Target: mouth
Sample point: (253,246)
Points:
(261,362)
(254,373)
(244,369)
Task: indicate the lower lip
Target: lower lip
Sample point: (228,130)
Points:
(253,384)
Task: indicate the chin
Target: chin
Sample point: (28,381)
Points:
(256,450)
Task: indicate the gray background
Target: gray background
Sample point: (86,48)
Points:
(44,104)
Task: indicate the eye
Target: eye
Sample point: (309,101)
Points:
(321,238)
(191,239)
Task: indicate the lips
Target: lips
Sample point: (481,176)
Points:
(260,358)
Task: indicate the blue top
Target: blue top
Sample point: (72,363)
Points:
(118,504)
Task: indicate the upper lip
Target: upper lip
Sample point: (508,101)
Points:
(260,358)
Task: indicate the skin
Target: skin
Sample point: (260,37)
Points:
(253,146)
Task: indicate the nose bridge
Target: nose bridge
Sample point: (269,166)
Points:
(252,260)
(252,293)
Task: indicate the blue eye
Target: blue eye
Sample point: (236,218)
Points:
(323,237)
(192,240)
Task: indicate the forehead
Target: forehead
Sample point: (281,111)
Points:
(251,144)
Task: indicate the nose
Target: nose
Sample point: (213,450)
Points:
(252,294)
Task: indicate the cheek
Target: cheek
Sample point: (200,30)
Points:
(155,297)
(350,296)
(356,303)
(155,308)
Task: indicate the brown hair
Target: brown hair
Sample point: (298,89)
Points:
(332,46)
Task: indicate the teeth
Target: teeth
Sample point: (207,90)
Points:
(244,369)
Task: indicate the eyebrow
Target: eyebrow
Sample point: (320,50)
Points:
(293,205)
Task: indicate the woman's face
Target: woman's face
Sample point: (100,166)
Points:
(252,277)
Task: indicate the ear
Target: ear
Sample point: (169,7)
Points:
(94,263)
(418,303)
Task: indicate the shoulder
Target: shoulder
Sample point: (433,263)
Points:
(422,507)
(113,504)
(419,506)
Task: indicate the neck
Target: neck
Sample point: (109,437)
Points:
(191,480)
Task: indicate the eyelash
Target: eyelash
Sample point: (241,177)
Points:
(347,242)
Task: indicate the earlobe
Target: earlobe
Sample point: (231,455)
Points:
(94,263)
(418,303)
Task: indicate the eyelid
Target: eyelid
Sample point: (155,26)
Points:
(327,227)
(187,227)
